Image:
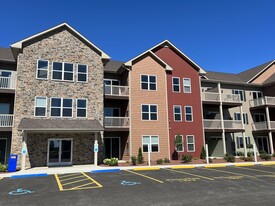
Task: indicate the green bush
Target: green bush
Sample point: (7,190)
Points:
(134,160)
(203,153)
(248,159)
(140,157)
(159,161)
(250,154)
(166,160)
(273,155)
(240,154)
(195,158)
(186,158)
(229,158)
(111,162)
(265,156)
(3,168)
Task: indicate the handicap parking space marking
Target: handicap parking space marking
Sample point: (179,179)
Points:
(145,176)
(190,174)
(78,181)
(229,172)
(184,180)
(240,177)
(20,191)
(129,183)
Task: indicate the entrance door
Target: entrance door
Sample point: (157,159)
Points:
(3,149)
(263,144)
(60,152)
(112,147)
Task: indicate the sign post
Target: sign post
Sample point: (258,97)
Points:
(207,155)
(255,155)
(95,152)
(24,153)
(149,155)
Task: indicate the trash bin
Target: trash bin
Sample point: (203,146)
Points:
(12,163)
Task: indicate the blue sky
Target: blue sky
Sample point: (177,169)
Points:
(219,35)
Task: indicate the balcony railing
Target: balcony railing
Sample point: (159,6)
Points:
(233,124)
(210,96)
(116,122)
(215,97)
(262,101)
(116,90)
(230,98)
(272,125)
(217,124)
(7,82)
(6,120)
(257,126)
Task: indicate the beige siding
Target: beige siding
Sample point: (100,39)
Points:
(264,76)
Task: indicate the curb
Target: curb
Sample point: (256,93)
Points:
(146,168)
(183,167)
(215,166)
(244,164)
(105,170)
(268,163)
(29,175)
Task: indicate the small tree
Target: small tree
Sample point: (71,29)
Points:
(203,153)
(140,156)
(178,141)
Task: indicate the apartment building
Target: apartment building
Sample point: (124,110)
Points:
(60,94)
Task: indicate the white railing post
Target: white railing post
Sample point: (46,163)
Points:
(255,155)
(207,154)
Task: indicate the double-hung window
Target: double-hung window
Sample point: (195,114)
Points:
(237,116)
(179,143)
(188,114)
(150,141)
(176,84)
(40,107)
(240,142)
(241,93)
(61,107)
(190,143)
(82,73)
(148,82)
(149,112)
(42,69)
(187,85)
(63,71)
(81,107)
(257,94)
(177,113)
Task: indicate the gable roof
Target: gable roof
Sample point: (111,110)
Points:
(19,44)
(250,74)
(221,76)
(6,55)
(113,66)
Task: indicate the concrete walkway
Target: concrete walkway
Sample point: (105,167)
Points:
(91,168)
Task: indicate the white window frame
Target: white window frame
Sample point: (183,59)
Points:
(181,143)
(150,143)
(259,114)
(238,91)
(175,84)
(148,83)
(42,69)
(61,107)
(63,71)
(82,73)
(177,113)
(188,113)
(149,112)
(187,143)
(257,94)
(240,139)
(184,86)
(86,108)
(40,107)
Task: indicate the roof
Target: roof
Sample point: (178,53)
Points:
(59,125)
(251,74)
(6,55)
(113,66)
(270,79)
(20,43)
(221,76)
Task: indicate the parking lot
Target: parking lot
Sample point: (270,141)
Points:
(214,186)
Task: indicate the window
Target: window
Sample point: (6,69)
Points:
(259,117)
(148,82)
(150,142)
(187,85)
(63,71)
(110,86)
(177,113)
(257,94)
(61,107)
(42,69)
(149,112)
(190,143)
(176,84)
(81,108)
(241,93)
(237,116)
(40,107)
(188,114)
(179,143)
(82,73)
(240,142)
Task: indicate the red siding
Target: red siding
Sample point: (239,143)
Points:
(183,69)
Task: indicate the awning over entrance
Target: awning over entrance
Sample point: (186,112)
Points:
(78,125)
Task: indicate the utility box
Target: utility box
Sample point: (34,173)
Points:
(12,163)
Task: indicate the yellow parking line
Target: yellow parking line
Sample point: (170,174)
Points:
(71,178)
(234,173)
(99,185)
(69,175)
(187,173)
(258,170)
(90,183)
(58,182)
(69,183)
(145,168)
(144,176)
(183,167)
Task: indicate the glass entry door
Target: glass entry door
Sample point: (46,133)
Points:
(3,148)
(60,152)
(112,147)
(263,144)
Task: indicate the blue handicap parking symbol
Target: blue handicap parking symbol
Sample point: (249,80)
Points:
(127,183)
(20,191)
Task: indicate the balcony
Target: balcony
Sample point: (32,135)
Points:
(233,125)
(261,126)
(117,123)
(116,92)
(212,124)
(264,101)
(6,121)
(214,98)
(7,83)
(216,124)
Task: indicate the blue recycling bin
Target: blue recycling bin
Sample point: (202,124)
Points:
(12,163)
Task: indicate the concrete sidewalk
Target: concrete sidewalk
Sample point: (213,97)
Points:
(90,168)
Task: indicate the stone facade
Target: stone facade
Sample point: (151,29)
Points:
(60,46)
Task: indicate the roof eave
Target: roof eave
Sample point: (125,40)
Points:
(255,76)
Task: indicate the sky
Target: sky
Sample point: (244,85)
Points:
(219,35)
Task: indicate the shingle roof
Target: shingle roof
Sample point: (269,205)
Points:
(59,125)
(221,76)
(6,55)
(250,73)
(113,66)
(270,79)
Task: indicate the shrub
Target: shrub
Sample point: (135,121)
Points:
(3,168)
(140,157)
(265,156)
(134,160)
(273,155)
(195,158)
(111,162)
(250,154)
(175,155)
(248,159)
(240,154)
(229,158)
(159,161)
(210,160)
(203,153)
(166,160)
(186,158)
